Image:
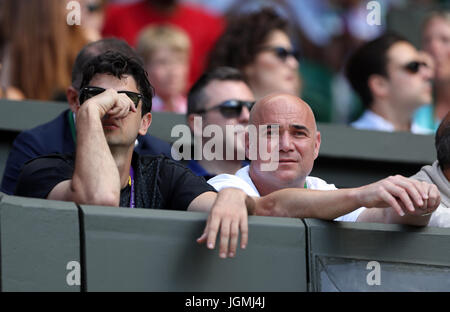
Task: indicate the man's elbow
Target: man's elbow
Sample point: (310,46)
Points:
(97,198)
(105,199)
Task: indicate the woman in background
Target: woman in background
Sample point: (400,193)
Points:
(258,44)
(6,91)
(41,46)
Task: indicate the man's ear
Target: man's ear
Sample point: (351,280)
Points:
(317,145)
(146,121)
(72,98)
(378,86)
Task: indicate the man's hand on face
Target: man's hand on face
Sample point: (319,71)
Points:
(229,213)
(404,195)
(116,105)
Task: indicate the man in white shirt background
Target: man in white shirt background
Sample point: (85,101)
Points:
(392,79)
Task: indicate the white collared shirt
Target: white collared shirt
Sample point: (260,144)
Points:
(371,121)
(242,180)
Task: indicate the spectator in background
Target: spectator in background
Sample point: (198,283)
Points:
(92,18)
(203,28)
(6,91)
(58,136)
(166,50)
(436,41)
(258,45)
(439,174)
(393,80)
(220,97)
(41,46)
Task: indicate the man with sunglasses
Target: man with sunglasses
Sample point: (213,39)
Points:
(115,104)
(220,98)
(59,135)
(393,80)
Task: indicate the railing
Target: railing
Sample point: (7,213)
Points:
(60,246)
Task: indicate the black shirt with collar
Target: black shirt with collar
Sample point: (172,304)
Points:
(159,182)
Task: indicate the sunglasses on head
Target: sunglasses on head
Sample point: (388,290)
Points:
(230,108)
(88,92)
(282,53)
(414,66)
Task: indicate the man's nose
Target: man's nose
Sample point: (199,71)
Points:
(292,62)
(285,142)
(426,72)
(244,116)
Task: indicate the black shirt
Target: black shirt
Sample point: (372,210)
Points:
(159,182)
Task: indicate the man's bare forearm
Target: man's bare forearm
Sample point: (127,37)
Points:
(96,178)
(302,203)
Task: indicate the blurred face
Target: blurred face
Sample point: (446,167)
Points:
(168,71)
(122,132)
(273,70)
(299,141)
(92,18)
(409,85)
(436,41)
(217,92)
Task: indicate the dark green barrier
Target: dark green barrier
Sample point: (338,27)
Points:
(155,250)
(377,257)
(39,238)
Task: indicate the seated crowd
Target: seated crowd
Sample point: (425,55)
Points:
(98,151)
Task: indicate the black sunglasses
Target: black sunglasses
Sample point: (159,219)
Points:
(414,66)
(282,53)
(88,92)
(230,108)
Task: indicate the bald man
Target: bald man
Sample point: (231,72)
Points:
(289,191)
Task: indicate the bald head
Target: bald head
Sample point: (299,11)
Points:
(295,140)
(276,105)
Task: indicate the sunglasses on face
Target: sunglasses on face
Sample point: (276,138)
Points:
(88,92)
(414,66)
(282,53)
(230,108)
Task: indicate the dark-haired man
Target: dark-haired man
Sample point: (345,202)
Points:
(220,98)
(59,135)
(393,80)
(115,104)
